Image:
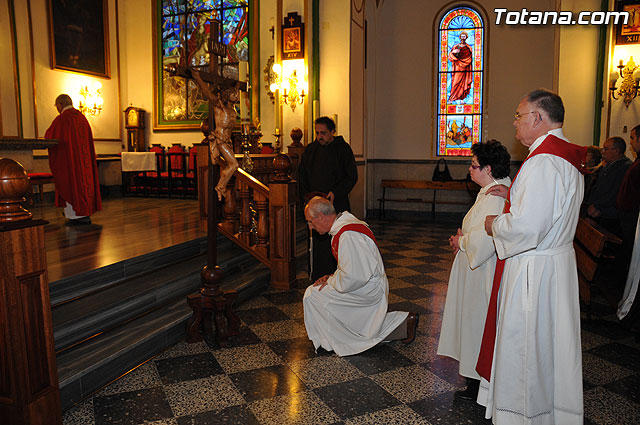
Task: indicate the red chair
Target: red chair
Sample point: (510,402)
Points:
(152,180)
(192,173)
(176,174)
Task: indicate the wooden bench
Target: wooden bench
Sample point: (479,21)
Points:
(595,253)
(467,186)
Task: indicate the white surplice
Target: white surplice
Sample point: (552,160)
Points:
(349,315)
(633,278)
(536,376)
(469,287)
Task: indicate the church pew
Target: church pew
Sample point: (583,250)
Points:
(595,251)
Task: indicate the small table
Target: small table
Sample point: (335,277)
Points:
(136,162)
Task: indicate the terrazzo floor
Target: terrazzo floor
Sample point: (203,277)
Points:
(270,374)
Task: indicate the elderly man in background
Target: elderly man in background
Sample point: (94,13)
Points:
(73,163)
(531,355)
(346,312)
(600,201)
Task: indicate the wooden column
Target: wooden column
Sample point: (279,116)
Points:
(29,393)
(282,226)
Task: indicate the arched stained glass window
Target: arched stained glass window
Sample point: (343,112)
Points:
(460,75)
(183,34)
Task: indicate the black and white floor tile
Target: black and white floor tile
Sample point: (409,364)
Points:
(270,373)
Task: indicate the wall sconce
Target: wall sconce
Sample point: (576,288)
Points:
(90,100)
(629,87)
(291,87)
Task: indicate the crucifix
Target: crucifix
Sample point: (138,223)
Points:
(222,94)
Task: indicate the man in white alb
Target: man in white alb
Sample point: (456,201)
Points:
(531,351)
(346,312)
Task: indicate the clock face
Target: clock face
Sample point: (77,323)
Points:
(132,118)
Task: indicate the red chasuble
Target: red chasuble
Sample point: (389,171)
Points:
(73,163)
(353,227)
(576,156)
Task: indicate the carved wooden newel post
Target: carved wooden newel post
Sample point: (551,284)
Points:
(212,300)
(282,226)
(29,393)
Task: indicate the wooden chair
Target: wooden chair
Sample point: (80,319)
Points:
(192,172)
(38,179)
(595,252)
(152,181)
(176,170)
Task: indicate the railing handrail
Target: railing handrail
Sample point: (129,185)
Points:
(252,182)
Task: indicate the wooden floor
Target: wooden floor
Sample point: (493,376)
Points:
(125,228)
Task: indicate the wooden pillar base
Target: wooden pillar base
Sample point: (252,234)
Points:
(209,304)
(29,390)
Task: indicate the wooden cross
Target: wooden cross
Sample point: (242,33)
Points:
(211,302)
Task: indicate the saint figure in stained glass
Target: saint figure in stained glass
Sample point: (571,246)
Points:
(184,25)
(460,77)
(461,59)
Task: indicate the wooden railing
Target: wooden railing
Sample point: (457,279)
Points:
(258,213)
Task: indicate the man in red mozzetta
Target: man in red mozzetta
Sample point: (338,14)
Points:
(346,312)
(73,163)
(530,352)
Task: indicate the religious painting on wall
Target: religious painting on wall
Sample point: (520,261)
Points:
(293,37)
(183,29)
(460,77)
(628,33)
(79,36)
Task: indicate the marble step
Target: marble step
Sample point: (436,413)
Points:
(85,368)
(73,287)
(111,305)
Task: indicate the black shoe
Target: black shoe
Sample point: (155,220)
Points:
(412,326)
(78,221)
(471,393)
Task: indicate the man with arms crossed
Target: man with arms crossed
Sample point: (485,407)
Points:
(535,367)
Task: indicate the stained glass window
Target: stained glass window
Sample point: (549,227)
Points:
(460,78)
(184,33)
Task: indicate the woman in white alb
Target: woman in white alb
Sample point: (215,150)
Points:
(473,268)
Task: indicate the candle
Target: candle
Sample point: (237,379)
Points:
(621,62)
(244,105)
(243,71)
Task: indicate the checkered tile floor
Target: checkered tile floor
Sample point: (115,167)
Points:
(270,374)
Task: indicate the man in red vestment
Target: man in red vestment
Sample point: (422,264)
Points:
(73,163)
(462,77)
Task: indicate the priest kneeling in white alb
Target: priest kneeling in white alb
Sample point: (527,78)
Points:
(346,312)
(531,354)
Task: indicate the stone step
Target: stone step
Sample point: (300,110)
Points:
(108,306)
(85,368)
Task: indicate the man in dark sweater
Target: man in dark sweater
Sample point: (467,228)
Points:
(327,166)
(601,198)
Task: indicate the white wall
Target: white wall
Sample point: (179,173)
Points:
(334,62)
(577,73)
